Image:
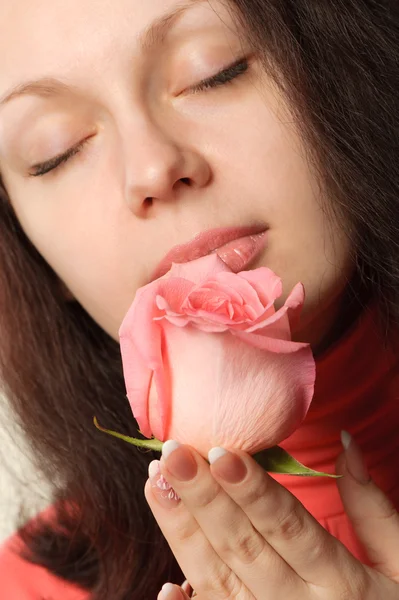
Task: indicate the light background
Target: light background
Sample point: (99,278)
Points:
(20,485)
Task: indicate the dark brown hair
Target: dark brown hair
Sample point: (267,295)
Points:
(337,62)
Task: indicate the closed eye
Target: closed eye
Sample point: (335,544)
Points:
(41,169)
(222,77)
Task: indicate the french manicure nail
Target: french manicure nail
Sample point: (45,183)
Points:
(179,461)
(355,462)
(215,453)
(226,465)
(169,447)
(154,469)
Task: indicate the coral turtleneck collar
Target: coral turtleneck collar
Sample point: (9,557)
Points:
(357,389)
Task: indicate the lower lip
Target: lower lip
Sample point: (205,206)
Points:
(240,253)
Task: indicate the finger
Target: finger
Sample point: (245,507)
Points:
(231,534)
(373,516)
(170,591)
(293,533)
(186,587)
(208,574)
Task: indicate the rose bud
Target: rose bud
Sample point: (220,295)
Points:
(208,360)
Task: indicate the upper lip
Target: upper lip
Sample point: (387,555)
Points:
(202,244)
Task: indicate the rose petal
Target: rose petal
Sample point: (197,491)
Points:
(138,380)
(140,340)
(221,287)
(264,342)
(233,283)
(178,320)
(289,312)
(215,322)
(175,291)
(266,284)
(238,394)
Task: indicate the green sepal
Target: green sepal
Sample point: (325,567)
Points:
(277,460)
(149,444)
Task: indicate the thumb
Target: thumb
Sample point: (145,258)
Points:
(373,516)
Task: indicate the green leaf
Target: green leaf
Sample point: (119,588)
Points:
(152,444)
(277,460)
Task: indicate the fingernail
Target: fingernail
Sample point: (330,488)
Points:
(355,462)
(179,461)
(169,447)
(226,465)
(215,453)
(168,591)
(154,469)
(163,491)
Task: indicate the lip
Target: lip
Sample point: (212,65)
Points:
(215,239)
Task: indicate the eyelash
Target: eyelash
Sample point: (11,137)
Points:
(56,162)
(221,78)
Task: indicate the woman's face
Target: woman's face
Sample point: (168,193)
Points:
(119,83)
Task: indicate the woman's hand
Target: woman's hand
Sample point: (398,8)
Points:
(238,534)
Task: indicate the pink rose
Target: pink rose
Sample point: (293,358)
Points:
(208,361)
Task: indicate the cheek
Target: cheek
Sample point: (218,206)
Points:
(84,249)
(311,248)
(96,279)
(305,242)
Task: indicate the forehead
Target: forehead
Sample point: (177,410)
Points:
(45,37)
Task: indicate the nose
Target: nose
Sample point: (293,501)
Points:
(158,169)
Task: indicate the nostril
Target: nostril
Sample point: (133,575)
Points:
(148,201)
(186,180)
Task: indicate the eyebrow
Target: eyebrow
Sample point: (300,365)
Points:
(154,35)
